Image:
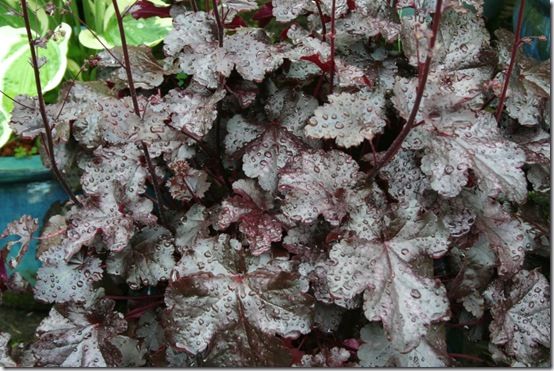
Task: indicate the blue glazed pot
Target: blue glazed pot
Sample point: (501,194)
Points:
(26,187)
(536,21)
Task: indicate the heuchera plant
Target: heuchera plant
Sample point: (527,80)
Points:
(346,184)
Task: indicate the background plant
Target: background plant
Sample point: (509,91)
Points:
(310,193)
(69,32)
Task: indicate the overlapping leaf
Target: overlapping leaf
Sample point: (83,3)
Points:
(316,183)
(76,336)
(213,288)
(147,260)
(521,315)
(394,292)
(349,118)
(250,209)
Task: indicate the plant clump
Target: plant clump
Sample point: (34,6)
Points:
(330,187)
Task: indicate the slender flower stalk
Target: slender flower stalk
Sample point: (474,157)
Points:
(515,47)
(332,42)
(411,123)
(47,137)
(136,108)
(219,24)
(322,20)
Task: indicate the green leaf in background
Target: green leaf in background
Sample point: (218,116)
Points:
(144,31)
(16,72)
(38,18)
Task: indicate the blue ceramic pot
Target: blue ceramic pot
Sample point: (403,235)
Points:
(536,21)
(26,187)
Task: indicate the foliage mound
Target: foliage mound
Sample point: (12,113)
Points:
(349,183)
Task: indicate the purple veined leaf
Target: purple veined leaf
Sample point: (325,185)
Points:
(394,292)
(301,238)
(147,260)
(317,183)
(100,119)
(528,92)
(360,26)
(240,132)
(244,345)
(463,40)
(231,8)
(508,236)
(522,104)
(25,119)
(62,281)
(446,94)
(191,111)
(367,212)
(147,72)
(476,268)
(535,142)
(24,227)
(333,357)
(150,330)
(469,141)
(349,118)
(288,10)
(521,316)
(252,53)
(132,353)
(405,179)
(301,70)
(161,138)
(457,216)
(214,288)
(98,216)
(76,336)
(112,167)
(291,109)
(193,46)
(187,183)
(115,180)
(5,359)
(268,154)
(377,351)
(191,227)
(249,208)
(306,45)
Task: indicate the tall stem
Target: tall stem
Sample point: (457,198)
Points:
(515,47)
(134,99)
(410,124)
(42,108)
(219,24)
(332,37)
(322,20)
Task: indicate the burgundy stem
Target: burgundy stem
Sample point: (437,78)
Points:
(467,357)
(397,143)
(133,92)
(515,46)
(126,297)
(332,37)
(219,24)
(322,20)
(42,107)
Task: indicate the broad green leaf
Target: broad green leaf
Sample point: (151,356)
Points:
(144,31)
(16,72)
(37,16)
